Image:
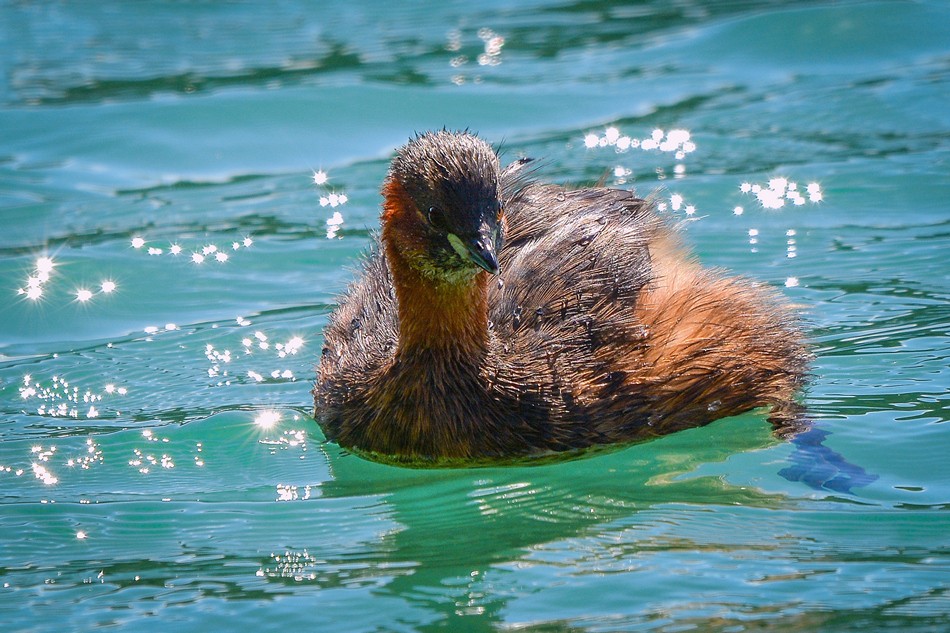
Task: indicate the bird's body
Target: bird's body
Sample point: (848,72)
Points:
(598,329)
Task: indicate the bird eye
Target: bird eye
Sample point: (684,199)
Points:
(436,217)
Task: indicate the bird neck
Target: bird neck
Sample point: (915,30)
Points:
(440,318)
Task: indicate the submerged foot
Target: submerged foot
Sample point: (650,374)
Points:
(822,468)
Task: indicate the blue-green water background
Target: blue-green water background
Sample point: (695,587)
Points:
(139,492)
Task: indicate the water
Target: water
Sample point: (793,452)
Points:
(159,467)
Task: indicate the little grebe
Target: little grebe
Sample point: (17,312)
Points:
(499,318)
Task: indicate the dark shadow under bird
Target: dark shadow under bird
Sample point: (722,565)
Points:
(499,319)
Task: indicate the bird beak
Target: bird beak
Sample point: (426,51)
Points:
(483,253)
(480,250)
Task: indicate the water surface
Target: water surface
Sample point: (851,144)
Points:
(184,189)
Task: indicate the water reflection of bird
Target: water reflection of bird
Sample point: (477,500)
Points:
(500,318)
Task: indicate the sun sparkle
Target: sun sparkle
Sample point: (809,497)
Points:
(267,419)
(45,265)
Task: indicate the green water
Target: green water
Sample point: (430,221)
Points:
(158,466)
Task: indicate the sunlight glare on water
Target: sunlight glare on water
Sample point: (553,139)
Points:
(267,419)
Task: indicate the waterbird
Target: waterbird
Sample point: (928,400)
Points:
(499,319)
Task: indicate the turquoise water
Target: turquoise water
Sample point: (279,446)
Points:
(158,466)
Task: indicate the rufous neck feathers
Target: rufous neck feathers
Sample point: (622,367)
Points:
(445,315)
